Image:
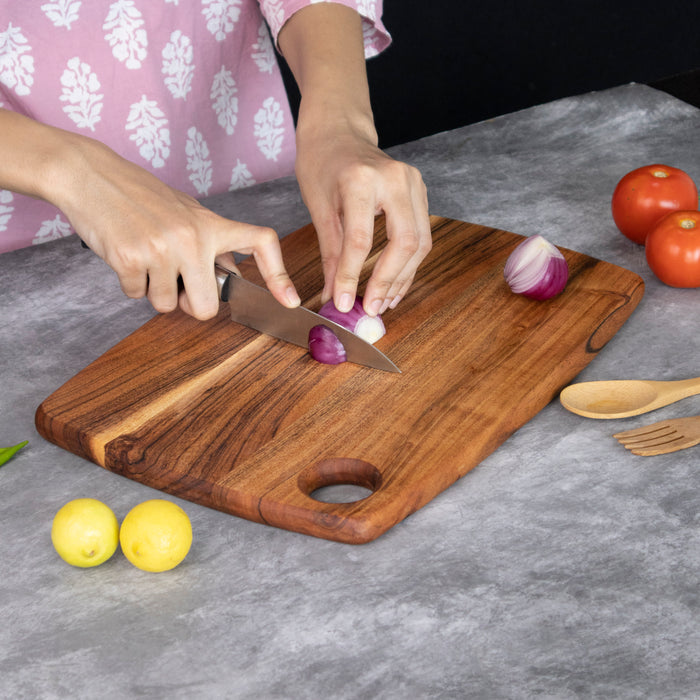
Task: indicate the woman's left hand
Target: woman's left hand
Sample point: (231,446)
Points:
(346,180)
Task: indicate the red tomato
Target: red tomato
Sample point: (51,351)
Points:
(673,249)
(646,194)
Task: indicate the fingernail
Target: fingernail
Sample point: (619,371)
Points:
(346,302)
(383,307)
(395,301)
(293,297)
(375,307)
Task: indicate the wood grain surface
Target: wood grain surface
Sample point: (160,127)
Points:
(223,416)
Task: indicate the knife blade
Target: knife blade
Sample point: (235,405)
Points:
(255,307)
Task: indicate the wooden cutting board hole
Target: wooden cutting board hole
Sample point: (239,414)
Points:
(342,480)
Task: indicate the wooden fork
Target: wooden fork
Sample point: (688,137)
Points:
(662,437)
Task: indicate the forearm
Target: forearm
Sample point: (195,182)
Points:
(32,156)
(323,46)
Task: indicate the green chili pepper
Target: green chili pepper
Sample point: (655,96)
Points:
(6,453)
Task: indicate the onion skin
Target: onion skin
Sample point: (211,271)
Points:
(324,345)
(536,269)
(369,328)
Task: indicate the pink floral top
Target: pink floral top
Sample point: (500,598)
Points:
(189,89)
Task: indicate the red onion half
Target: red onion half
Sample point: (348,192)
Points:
(324,345)
(536,269)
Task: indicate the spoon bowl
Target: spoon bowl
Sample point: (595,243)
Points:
(621,398)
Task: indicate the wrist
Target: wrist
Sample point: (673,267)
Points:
(70,166)
(325,117)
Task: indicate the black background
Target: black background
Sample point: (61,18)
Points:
(456,62)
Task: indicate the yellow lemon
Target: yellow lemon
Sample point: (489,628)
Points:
(85,532)
(156,535)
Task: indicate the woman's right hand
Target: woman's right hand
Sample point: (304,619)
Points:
(151,234)
(147,232)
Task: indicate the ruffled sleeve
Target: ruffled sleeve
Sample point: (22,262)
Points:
(377,38)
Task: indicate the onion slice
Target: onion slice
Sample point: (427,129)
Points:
(324,345)
(536,269)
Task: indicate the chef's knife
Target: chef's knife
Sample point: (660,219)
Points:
(255,307)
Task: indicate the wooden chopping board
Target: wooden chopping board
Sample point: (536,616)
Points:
(223,416)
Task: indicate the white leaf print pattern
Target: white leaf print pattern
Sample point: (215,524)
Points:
(6,208)
(269,131)
(263,51)
(126,35)
(51,230)
(240,176)
(221,16)
(16,63)
(224,100)
(367,8)
(369,36)
(273,11)
(151,135)
(62,13)
(177,64)
(80,86)
(197,154)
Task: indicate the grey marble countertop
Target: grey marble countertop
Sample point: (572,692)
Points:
(561,567)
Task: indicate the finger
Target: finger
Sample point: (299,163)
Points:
(392,301)
(264,245)
(228,262)
(329,232)
(358,235)
(200,296)
(410,240)
(134,284)
(162,289)
(130,267)
(391,269)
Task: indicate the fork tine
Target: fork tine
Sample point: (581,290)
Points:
(661,448)
(645,435)
(643,432)
(662,437)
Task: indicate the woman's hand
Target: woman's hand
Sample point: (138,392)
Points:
(149,233)
(345,179)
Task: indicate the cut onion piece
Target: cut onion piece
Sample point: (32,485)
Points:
(369,328)
(536,269)
(324,345)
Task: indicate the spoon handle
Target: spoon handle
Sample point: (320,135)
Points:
(675,390)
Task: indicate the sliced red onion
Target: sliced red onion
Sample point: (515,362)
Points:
(536,269)
(324,345)
(369,328)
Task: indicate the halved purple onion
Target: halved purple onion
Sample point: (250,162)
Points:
(369,328)
(325,347)
(536,269)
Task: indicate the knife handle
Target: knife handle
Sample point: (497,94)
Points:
(222,277)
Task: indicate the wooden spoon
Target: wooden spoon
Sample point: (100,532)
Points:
(625,397)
